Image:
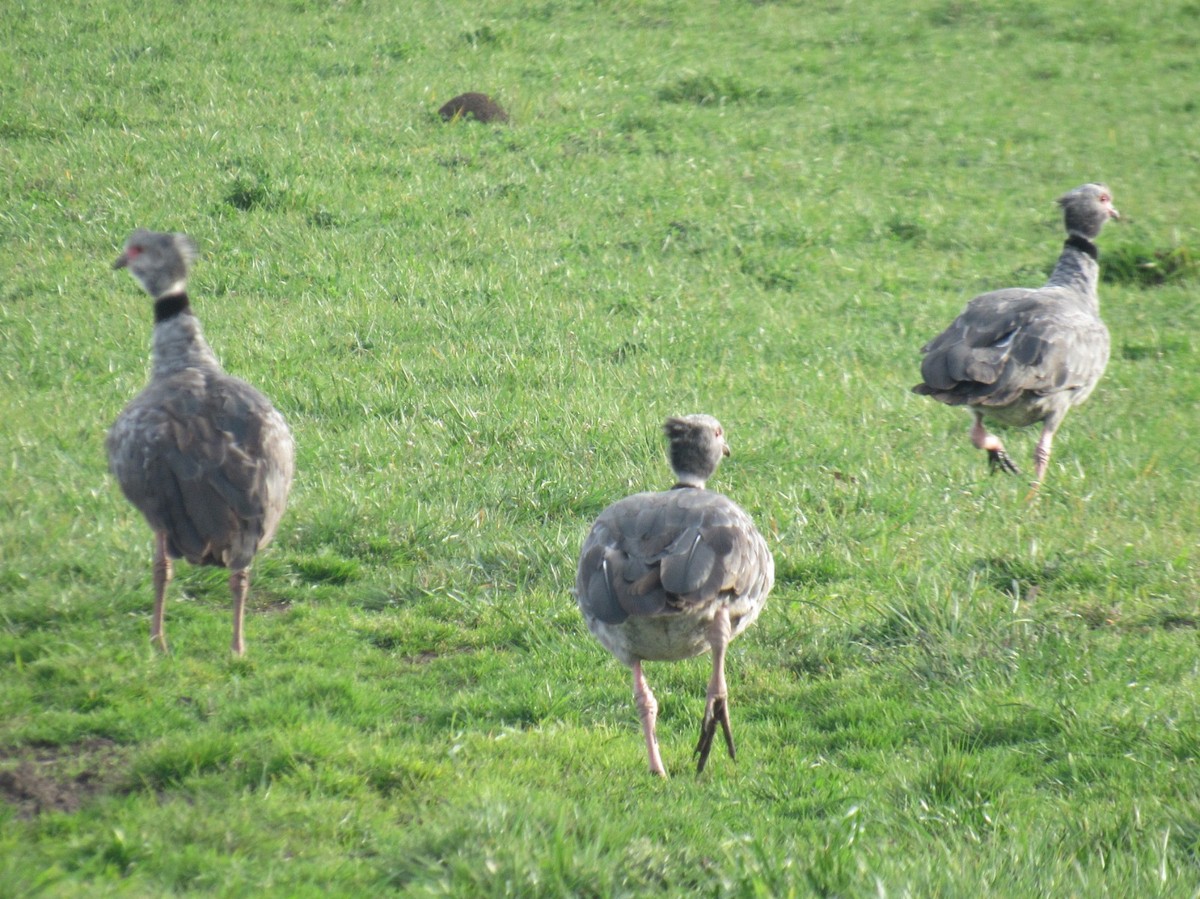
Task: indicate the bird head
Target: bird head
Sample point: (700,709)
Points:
(696,445)
(1086,209)
(158,261)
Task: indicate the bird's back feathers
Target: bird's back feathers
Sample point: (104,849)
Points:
(206,458)
(678,553)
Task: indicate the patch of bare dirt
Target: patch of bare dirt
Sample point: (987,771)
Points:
(37,779)
(428,655)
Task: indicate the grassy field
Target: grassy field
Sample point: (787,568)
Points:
(756,210)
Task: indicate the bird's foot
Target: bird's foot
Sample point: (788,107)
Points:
(656,763)
(160,642)
(717,710)
(999,460)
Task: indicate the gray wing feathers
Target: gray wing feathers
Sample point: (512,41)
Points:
(1011,342)
(207,459)
(598,595)
(688,566)
(657,553)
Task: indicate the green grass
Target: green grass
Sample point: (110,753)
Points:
(757,210)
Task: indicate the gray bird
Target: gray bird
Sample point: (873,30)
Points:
(202,455)
(666,576)
(1024,355)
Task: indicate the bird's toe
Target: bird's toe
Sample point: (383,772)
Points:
(716,712)
(999,460)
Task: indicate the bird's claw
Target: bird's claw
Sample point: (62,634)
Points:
(719,711)
(999,460)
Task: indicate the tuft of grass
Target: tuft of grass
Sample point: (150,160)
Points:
(709,90)
(327,569)
(1146,267)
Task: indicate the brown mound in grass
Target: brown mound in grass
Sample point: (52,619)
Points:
(473,105)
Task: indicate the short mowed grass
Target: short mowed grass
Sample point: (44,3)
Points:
(756,210)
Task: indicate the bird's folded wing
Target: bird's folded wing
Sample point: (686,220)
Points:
(664,553)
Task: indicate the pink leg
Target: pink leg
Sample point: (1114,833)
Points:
(1041,453)
(239,585)
(162,577)
(998,459)
(716,708)
(648,710)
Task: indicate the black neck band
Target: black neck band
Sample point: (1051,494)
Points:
(682,486)
(170,306)
(1078,242)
